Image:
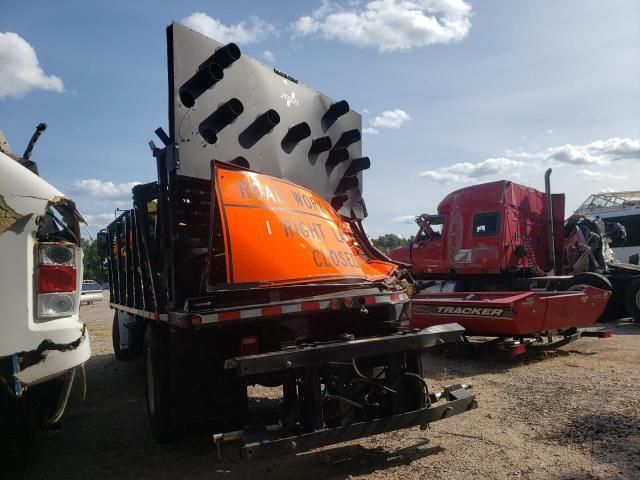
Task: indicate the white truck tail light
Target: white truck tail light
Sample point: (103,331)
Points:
(56,254)
(53,305)
(57,291)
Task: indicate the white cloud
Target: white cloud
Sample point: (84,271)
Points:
(97,188)
(389,25)
(410,219)
(370,130)
(549,131)
(20,71)
(96,220)
(466,171)
(600,152)
(269,56)
(253,30)
(390,119)
(516,163)
(598,175)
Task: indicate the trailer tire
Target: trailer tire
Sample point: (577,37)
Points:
(597,280)
(157,382)
(122,354)
(589,279)
(632,299)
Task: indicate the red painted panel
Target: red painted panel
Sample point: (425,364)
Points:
(509,313)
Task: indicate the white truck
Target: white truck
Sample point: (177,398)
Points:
(42,340)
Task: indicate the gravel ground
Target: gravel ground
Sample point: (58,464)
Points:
(570,414)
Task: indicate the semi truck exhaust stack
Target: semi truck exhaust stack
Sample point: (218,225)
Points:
(550,233)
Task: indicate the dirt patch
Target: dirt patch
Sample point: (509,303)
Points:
(572,414)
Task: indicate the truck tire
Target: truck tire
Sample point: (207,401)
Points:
(17,428)
(209,396)
(597,280)
(122,354)
(589,279)
(157,382)
(632,299)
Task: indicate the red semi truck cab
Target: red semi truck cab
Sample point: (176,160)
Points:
(485,229)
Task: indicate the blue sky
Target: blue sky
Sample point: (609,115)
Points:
(452,92)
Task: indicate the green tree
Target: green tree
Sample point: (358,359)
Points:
(388,241)
(92,263)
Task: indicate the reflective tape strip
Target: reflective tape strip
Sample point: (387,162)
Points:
(310,306)
(227,316)
(277,310)
(142,313)
(271,311)
(295,308)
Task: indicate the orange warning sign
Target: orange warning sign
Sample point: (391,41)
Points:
(276,232)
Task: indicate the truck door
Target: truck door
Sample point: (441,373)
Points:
(427,250)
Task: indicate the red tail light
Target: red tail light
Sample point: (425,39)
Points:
(196,320)
(249,346)
(56,279)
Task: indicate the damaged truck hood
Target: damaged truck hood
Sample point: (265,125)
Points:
(23,195)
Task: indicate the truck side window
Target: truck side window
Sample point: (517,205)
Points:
(422,236)
(486,224)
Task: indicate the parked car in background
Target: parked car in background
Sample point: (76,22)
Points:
(91,292)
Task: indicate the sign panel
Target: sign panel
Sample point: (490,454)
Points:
(277,233)
(227,106)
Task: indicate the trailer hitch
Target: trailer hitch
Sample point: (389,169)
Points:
(264,442)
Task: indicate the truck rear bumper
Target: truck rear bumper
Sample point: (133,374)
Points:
(55,360)
(316,375)
(253,445)
(317,354)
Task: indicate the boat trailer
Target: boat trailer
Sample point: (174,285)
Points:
(516,320)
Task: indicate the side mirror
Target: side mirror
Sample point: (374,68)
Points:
(101,244)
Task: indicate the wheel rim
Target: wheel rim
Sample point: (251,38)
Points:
(638,298)
(151,392)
